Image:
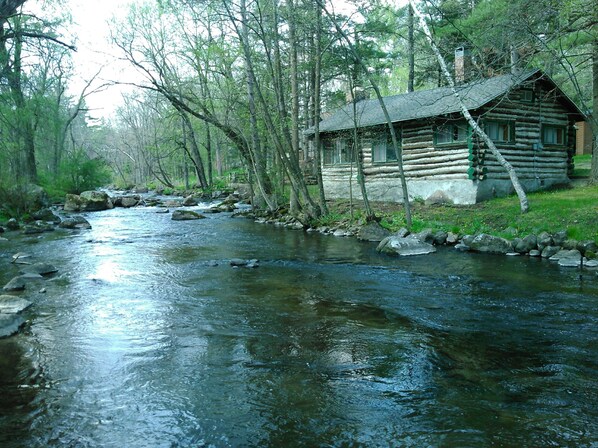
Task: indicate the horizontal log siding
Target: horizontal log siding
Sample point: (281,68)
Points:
(528,156)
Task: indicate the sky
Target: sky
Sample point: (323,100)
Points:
(91,30)
(91,33)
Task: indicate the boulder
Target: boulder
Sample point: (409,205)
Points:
(16,284)
(452,238)
(13,224)
(407,246)
(372,231)
(10,324)
(461,247)
(127,201)
(38,227)
(42,269)
(46,215)
(94,201)
(189,201)
(559,238)
(440,237)
(185,215)
(467,239)
(490,244)
(526,244)
(549,251)
(543,240)
(426,235)
(72,203)
(567,258)
(535,253)
(587,246)
(13,305)
(75,222)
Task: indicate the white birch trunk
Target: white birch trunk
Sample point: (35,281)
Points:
(478,130)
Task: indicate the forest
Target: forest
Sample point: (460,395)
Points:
(225,89)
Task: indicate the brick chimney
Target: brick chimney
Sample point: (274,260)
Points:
(463,65)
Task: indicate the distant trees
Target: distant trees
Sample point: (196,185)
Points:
(43,133)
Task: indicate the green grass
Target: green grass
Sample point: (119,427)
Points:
(572,209)
(582,165)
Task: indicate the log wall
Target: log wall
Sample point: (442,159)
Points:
(471,160)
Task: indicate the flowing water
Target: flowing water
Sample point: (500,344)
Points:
(148,338)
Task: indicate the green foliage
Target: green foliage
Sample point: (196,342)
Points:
(19,200)
(78,173)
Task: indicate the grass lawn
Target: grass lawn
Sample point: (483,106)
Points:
(582,166)
(572,209)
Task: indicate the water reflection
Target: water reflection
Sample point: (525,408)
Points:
(152,339)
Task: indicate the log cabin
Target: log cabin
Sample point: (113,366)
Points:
(528,117)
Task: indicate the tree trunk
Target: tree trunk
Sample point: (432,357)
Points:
(391,128)
(317,108)
(524,204)
(195,155)
(410,49)
(258,161)
(594,117)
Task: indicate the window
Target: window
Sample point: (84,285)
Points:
(553,135)
(382,149)
(450,133)
(499,131)
(337,151)
(527,95)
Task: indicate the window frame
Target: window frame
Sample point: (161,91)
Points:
(455,127)
(384,138)
(509,125)
(532,96)
(557,128)
(337,151)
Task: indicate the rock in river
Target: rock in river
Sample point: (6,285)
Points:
(404,246)
(10,324)
(40,269)
(185,215)
(13,305)
(372,232)
(16,284)
(490,244)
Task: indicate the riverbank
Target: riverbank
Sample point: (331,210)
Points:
(570,209)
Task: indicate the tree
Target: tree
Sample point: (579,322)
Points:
(391,128)
(524,204)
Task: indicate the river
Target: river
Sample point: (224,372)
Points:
(147,337)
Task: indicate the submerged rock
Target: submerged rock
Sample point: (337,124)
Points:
(407,246)
(42,269)
(10,324)
(75,222)
(13,305)
(238,262)
(567,258)
(16,284)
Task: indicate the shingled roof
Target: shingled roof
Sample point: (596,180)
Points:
(428,103)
